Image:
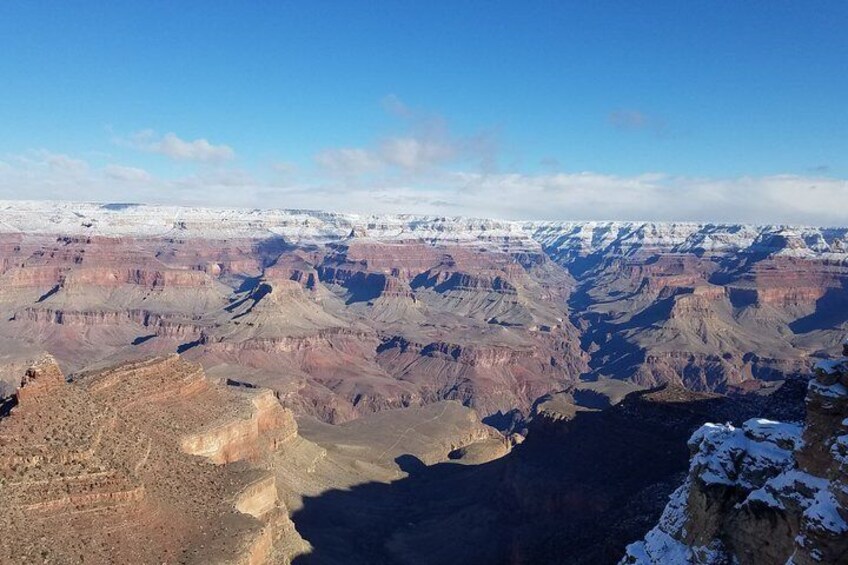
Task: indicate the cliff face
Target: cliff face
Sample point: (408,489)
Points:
(766,492)
(316,324)
(150,461)
(116,466)
(267,428)
(345,315)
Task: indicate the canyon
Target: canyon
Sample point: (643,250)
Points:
(344,315)
(292,386)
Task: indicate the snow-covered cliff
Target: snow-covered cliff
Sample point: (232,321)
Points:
(765,493)
(560,239)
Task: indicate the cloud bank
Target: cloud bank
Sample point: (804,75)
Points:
(781,199)
(425,145)
(173,147)
(424,167)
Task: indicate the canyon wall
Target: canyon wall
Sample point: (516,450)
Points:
(344,315)
(106,468)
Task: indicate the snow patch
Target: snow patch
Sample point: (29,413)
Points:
(831,366)
(823,514)
(836,390)
(744,457)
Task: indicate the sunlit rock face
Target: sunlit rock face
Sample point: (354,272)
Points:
(143,462)
(151,461)
(344,315)
(767,492)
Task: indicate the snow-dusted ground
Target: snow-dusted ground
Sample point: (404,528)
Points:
(686,237)
(758,459)
(307,226)
(301,226)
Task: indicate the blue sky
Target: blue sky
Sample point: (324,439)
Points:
(676,110)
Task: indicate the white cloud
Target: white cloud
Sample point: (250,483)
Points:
(348,161)
(284,168)
(41,161)
(415,154)
(425,168)
(173,147)
(219,179)
(123,173)
(66,165)
(791,199)
(58,162)
(768,199)
(425,144)
(393,105)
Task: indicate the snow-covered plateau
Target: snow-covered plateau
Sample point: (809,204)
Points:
(560,239)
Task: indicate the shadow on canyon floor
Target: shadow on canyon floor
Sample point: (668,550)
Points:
(574,492)
(831,312)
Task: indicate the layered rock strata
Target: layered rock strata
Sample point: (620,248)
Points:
(344,315)
(105,469)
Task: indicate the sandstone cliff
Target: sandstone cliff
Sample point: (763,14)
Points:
(145,462)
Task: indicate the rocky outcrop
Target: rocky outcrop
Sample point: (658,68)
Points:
(267,429)
(258,498)
(96,470)
(169,326)
(492,377)
(765,492)
(40,379)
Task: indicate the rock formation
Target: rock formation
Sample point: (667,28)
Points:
(577,490)
(150,461)
(765,492)
(104,469)
(42,377)
(344,315)
(402,332)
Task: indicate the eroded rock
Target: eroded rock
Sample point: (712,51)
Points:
(767,492)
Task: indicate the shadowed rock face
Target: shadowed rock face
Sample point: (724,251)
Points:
(710,323)
(767,492)
(343,316)
(576,491)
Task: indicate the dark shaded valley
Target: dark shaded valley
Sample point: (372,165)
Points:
(575,491)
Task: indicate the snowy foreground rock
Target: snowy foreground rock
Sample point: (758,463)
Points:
(767,492)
